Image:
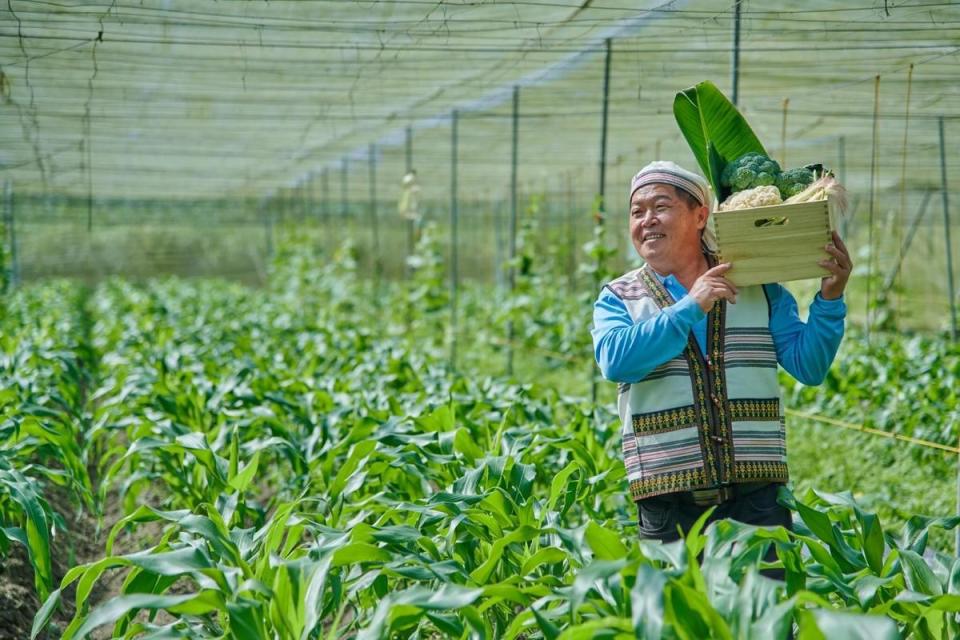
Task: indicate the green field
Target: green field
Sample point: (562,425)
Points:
(243,398)
(203,459)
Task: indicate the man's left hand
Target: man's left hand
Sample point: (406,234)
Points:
(840,266)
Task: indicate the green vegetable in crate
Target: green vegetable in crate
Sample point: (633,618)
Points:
(750,170)
(793,181)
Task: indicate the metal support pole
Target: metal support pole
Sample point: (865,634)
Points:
(946,234)
(411,223)
(267,214)
(914,225)
(902,210)
(315,199)
(873,200)
(571,232)
(6,265)
(9,223)
(842,159)
(950,289)
(307,201)
(89,165)
(512,273)
(842,175)
(454,275)
(735,80)
(408,149)
(603,180)
(326,226)
(301,199)
(497,218)
(783,133)
(325,193)
(278,205)
(292,204)
(296,200)
(603,129)
(374,224)
(344,169)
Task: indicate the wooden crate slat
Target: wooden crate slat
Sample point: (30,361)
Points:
(775,253)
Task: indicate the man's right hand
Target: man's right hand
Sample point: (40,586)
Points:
(713,286)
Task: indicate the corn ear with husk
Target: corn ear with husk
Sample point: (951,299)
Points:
(828,188)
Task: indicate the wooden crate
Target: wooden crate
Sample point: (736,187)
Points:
(774,244)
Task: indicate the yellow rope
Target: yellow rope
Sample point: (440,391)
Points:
(870,430)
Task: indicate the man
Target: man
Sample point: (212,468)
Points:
(696,358)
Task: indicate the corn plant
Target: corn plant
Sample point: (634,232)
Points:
(43,420)
(310,469)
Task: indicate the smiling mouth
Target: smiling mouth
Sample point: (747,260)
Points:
(653,236)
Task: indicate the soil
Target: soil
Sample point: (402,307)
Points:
(79,545)
(18,600)
(18,597)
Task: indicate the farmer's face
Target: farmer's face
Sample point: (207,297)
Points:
(663,226)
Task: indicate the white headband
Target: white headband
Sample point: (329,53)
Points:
(666,172)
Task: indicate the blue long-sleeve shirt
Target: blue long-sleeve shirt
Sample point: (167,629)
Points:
(628,351)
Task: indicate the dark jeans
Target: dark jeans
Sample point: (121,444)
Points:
(660,515)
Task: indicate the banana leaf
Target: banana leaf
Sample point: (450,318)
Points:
(716,132)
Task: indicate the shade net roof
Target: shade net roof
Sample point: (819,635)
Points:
(201,99)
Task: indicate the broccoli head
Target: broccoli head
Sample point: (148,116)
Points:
(750,170)
(793,181)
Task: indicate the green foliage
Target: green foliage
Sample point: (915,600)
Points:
(430,293)
(5,275)
(539,308)
(309,470)
(907,384)
(426,295)
(43,419)
(531,275)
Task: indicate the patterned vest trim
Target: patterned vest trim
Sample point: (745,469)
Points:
(702,421)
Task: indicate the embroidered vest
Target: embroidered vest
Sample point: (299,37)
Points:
(702,421)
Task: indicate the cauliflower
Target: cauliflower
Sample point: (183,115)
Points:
(793,181)
(750,170)
(764,196)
